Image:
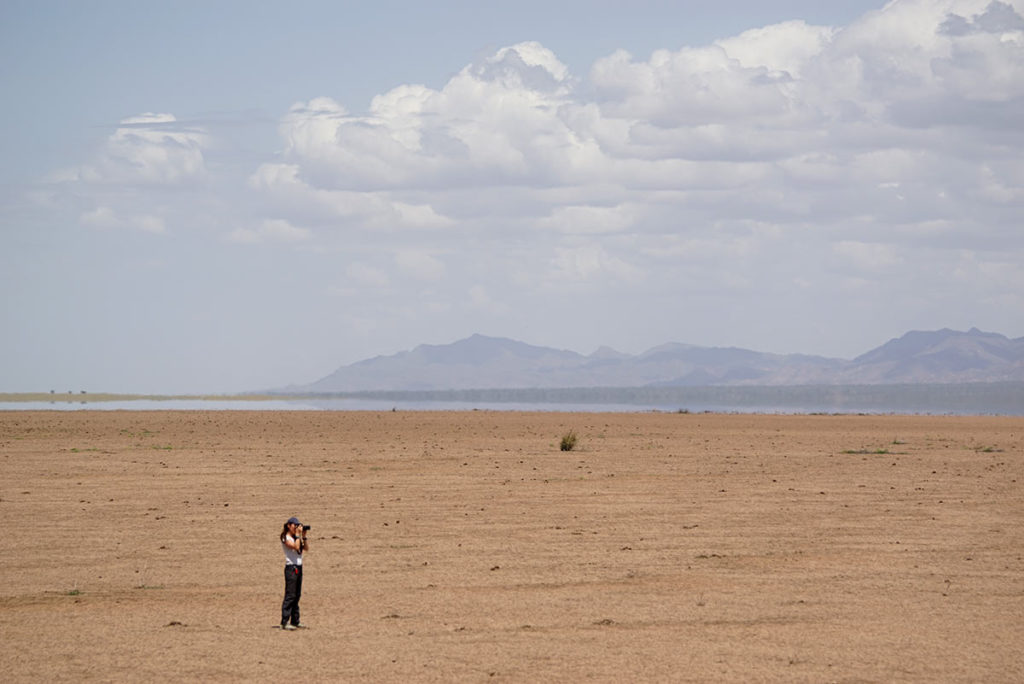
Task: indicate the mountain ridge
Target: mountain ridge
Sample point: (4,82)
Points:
(484,362)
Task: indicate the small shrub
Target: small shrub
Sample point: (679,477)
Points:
(568,441)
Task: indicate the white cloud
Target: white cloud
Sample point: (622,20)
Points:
(270,230)
(283,231)
(101,217)
(106,218)
(420,216)
(148,149)
(916,102)
(149,172)
(365,275)
(782,49)
(788,158)
(905,54)
(588,219)
(845,129)
(281,186)
(867,256)
(494,121)
(789,120)
(691,87)
(590,262)
(420,265)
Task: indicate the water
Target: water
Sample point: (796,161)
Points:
(319,405)
(845,406)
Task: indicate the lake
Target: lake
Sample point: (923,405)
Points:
(951,399)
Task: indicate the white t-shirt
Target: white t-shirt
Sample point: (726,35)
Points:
(291,556)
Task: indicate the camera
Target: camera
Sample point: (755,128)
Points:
(307,528)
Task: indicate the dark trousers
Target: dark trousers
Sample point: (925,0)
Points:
(292,594)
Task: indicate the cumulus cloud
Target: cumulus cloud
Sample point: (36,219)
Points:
(745,111)
(782,50)
(285,190)
(590,262)
(587,219)
(106,218)
(997,17)
(148,149)
(420,265)
(130,182)
(868,257)
(773,154)
(495,122)
(270,230)
(768,156)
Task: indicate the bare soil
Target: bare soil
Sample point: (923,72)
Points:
(466,547)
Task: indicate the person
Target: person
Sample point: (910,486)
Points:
(293,543)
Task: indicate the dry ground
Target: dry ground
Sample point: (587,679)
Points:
(464,546)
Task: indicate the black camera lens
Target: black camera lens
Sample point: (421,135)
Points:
(306,528)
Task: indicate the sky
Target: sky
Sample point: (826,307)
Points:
(216,197)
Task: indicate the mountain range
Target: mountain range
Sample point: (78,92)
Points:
(481,362)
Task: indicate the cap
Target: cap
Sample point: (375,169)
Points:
(293,521)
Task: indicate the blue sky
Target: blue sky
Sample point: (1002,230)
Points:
(215,197)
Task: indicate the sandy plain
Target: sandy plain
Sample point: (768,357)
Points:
(466,547)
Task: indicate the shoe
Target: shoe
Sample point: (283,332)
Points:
(301,625)
(289,627)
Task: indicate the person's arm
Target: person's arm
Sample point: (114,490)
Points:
(304,542)
(293,543)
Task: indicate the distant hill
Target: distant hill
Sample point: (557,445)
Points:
(942,356)
(481,362)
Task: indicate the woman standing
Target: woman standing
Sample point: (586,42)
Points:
(293,542)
